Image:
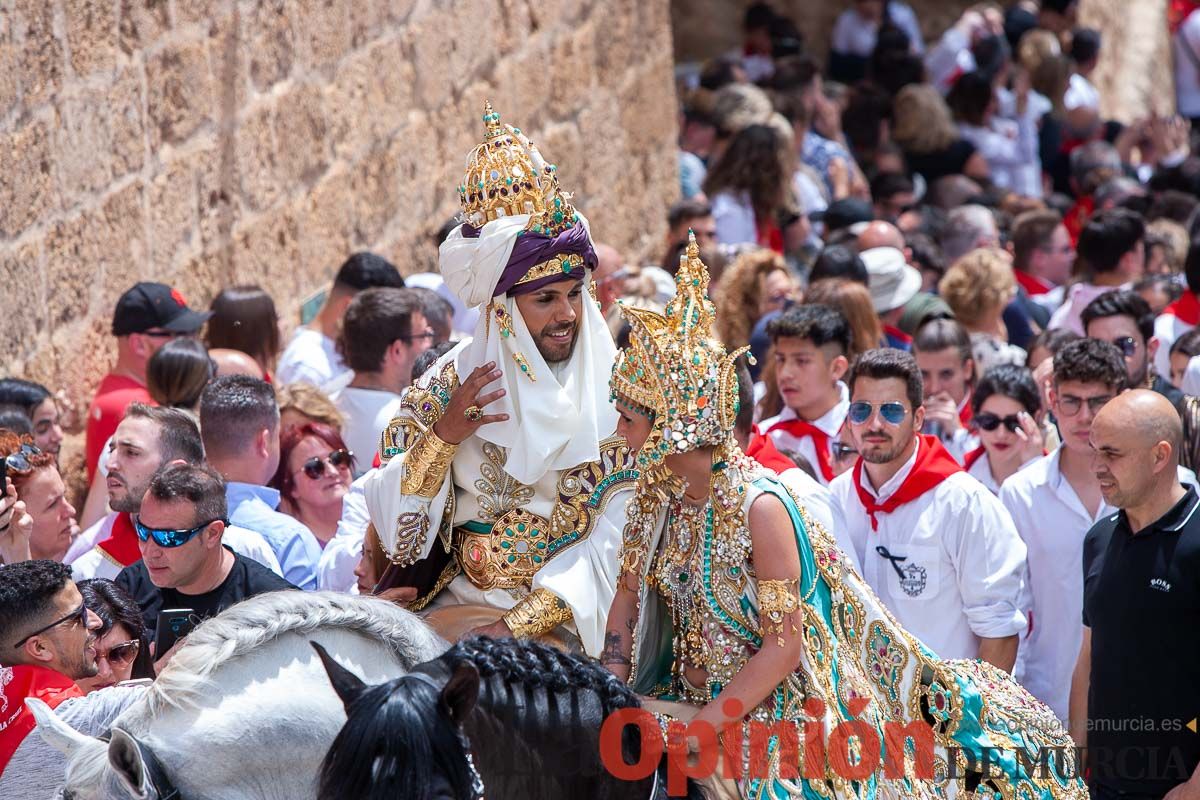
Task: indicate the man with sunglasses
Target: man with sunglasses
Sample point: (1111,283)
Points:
(47,642)
(936,546)
(184,562)
(383,332)
(148,438)
(146,317)
(1125,318)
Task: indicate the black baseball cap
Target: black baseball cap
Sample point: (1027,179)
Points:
(846,212)
(155,305)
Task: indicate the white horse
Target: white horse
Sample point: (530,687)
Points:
(245,709)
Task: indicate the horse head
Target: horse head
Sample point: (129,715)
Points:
(118,766)
(401,738)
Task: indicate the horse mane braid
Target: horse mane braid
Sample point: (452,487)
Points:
(538,665)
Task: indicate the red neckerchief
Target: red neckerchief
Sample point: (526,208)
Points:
(896,333)
(1078,216)
(16,720)
(770,236)
(965,414)
(933,465)
(763,450)
(1185,309)
(801,428)
(970,458)
(1032,284)
(122,542)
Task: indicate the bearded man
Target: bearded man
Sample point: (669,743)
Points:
(498,488)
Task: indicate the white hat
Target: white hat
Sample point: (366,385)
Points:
(892,281)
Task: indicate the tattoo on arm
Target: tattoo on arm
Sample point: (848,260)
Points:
(613,652)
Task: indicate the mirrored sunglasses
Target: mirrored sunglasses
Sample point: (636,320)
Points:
(989,422)
(164,537)
(314,468)
(1126,344)
(19,461)
(892,413)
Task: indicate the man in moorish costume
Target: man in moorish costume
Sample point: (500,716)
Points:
(499,487)
(733,607)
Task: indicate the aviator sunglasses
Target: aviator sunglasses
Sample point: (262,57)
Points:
(892,413)
(314,468)
(165,537)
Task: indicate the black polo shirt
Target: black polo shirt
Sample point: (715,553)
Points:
(1141,599)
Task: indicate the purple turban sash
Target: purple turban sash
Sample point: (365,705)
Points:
(534,248)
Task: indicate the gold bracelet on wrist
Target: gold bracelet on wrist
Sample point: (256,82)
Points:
(426,464)
(538,613)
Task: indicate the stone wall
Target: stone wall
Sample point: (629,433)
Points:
(208,142)
(1135,62)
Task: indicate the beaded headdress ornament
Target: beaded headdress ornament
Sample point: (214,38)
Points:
(675,372)
(507,176)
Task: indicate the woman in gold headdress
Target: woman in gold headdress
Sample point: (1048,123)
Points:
(730,592)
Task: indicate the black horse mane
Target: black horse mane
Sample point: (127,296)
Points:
(534,702)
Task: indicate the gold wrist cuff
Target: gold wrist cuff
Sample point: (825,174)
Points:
(540,612)
(426,464)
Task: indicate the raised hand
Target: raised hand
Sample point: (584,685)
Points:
(464,414)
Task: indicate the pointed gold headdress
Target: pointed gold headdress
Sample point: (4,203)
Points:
(674,370)
(507,176)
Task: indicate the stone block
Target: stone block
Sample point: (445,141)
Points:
(431,42)
(27,190)
(369,98)
(218,195)
(266,250)
(23,302)
(141,23)
(10,67)
(323,27)
(395,12)
(91,35)
(270,43)
(376,192)
(40,56)
(256,159)
(173,208)
(180,90)
(301,136)
(570,72)
(326,217)
(97,139)
(227,62)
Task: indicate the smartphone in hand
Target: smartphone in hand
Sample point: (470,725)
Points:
(173,625)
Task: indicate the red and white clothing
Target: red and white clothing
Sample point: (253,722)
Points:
(116,547)
(812,439)
(942,553)
(1177,319)
(1052,521)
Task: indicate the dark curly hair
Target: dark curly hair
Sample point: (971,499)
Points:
(27,592)
(1090,361)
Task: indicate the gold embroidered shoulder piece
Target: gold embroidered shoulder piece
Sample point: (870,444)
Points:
(584,492)
(422,406)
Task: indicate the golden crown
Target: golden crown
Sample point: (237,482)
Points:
(507,176)
(675,371)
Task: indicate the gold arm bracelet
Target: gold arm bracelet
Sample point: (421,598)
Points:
(426,464)
(776,601)
(539,612)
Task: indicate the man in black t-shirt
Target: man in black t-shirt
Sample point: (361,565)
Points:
(184,564)
(1136,675)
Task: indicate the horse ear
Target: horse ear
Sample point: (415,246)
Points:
(347,685)
(461,692)
(54,732)
(126,759)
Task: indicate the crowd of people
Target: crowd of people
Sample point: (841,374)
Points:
(969,304)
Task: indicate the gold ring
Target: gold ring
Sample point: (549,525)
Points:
(473,413)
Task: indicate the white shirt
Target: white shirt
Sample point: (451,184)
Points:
(1167,328)
(817,500)
(1081,94)
(734,217)
(1052,521)
(964,563)
(95,563)
(335,570)
(310,357)
(1010,148)
(368,412)
(981,471)
(855,35)
(830,422)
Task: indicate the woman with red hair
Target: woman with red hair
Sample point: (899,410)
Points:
(34,475)
(315,471)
